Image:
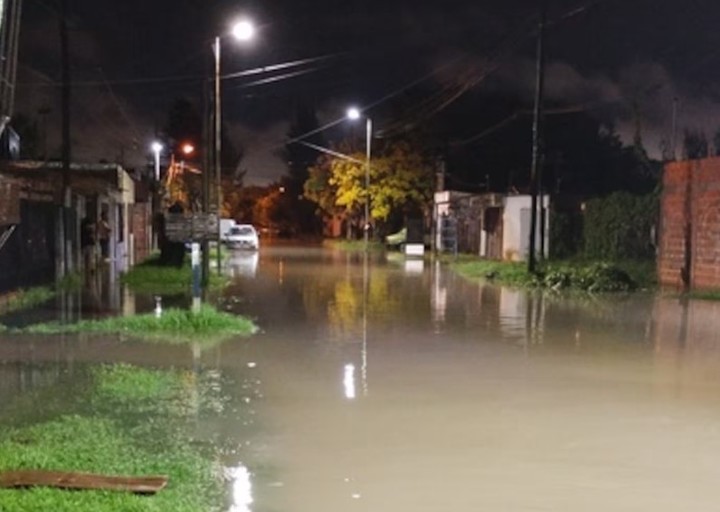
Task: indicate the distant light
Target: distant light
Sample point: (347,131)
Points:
(243,30)
(156,147)
(353,113)
(187,148)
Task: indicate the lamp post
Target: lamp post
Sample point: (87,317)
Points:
(157,148)
(243,30)
(353,114)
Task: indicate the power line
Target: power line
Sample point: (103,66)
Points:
(573,109)
(184,78)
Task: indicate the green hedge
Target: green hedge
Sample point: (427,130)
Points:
(620,227)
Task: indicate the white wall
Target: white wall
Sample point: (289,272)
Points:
(442,206)
(516,227)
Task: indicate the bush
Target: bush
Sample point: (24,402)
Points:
(594,277)
(620,226)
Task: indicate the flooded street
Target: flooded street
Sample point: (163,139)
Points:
(392,384)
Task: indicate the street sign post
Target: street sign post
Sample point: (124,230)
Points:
(193,227)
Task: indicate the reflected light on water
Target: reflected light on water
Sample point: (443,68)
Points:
(349,381)
(241,489)
(414,266)
(438,299)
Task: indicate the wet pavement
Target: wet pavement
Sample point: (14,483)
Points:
(393,384)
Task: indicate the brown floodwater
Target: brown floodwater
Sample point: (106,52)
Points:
(393,384)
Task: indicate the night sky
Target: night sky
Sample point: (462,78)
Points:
(414,62)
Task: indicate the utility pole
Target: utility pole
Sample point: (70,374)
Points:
(218,149)
(537,141)
(66,238)
(10,14)
(207,130)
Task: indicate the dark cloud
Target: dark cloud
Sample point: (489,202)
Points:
(632,57)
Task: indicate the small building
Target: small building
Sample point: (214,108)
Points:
(31,195)
(516,227)
(493,226)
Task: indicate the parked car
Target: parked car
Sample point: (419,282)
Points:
(225,225)
(242,236)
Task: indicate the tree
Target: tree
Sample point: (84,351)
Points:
(716,143)
(695,144)
(319,191)
(299,158)
(184,124)
(239,202)
(401,184)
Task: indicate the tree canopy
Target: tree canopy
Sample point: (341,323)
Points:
(400,184)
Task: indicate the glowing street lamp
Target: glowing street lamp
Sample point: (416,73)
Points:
(353,113)
(187,149)
(243,30)
(157,148)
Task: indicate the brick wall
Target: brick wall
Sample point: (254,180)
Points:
(141,229)
(690,224)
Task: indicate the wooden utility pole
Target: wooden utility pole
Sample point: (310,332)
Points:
(537,141)
(65,232)
(207,165)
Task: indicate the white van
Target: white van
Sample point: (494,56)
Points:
(225,225)
(243,236)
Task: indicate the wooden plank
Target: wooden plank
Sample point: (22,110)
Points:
(88,481)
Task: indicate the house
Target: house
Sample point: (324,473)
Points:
(490,225)
(30,217)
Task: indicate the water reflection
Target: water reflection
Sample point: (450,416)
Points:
(414,266)
(349,381)
(241,489)
(566,401)
(243,263)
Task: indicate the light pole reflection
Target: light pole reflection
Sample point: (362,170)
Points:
(364,350)
(349,368)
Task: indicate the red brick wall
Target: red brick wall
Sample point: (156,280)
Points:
(141,229)
(690,224)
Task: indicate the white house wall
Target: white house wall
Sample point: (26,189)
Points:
(516,227)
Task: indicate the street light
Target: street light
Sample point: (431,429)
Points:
(354,114)
(187,149)
(157,148)
(243,30)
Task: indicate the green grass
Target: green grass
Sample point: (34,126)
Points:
(704,294)
(207,326)
(224,252)
(150,277)
(505,272)
(127,432)
(70,282)
(125,383)
(589,276)
(26,298)
(353,245)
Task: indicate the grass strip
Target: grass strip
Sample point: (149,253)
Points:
(151,277)
(26,298)
(353,245)
(127,432)
(712,295)
(588,276)
(208,325)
